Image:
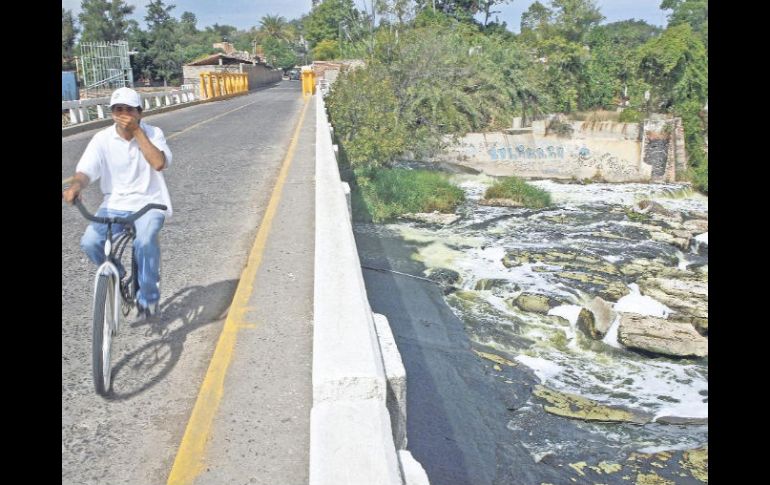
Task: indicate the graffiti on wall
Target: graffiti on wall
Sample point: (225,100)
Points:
(522,152)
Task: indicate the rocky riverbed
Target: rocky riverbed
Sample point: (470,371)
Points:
(593,312)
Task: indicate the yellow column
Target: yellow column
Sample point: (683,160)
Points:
(308,82)
(210,83)
(203,87)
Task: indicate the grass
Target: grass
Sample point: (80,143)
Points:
(636,216)
(630,115)
(516,189)
(385,193)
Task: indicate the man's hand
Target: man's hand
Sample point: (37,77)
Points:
(72,192)
(79,182)
(128,121)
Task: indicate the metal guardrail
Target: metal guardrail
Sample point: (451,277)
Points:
(98,108)
(217,84)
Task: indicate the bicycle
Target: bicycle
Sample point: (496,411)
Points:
(108,287)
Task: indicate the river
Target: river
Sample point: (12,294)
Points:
(558,403)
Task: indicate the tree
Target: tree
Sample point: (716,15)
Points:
(611,72)
(537,16)
(332,20)
(273,26)
(575,18)
(187,24)
(676,66)
(462,10)
(162,49)
(326,50)
(68,33)
(692,12)
(279,53)
(487,5)
(364,109)
(625,33)
(104,20)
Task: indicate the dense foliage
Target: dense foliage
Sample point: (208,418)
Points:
(437,69)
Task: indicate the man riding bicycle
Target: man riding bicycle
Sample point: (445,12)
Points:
(128,158)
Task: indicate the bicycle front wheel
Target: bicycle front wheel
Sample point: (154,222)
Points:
(103,327)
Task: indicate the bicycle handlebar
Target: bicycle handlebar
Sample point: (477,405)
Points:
(116,220)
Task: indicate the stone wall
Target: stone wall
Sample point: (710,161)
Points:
(608,151)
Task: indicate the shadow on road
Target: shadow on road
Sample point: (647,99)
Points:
(193,307)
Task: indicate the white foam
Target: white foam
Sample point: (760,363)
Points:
(703,238)
(544,369)
(611,338)
(635,302)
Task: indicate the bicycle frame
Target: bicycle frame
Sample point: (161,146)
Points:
(108,267)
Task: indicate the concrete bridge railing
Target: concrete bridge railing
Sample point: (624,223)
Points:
(358,419)
(82,110)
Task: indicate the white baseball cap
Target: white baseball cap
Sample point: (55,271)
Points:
(126,96)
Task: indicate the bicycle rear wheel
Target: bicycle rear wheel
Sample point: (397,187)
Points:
(103,329)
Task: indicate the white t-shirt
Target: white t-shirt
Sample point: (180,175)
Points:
(127,180)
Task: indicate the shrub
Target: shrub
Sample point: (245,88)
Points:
(630,115)
(388,193)
(560,128)
(516,189)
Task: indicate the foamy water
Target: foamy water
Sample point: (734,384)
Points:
(604,370)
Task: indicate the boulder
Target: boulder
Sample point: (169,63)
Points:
(532,302)
(587,324)
(447,279)
(659,336)
(601,318)
(684,292)
(651,207)
(700,324)
(641,266)
(495,284)
(578,407)
(696,226)
(594,284)
(680,239)
(565,258)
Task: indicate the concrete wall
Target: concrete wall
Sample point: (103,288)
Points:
(259,74)
(610,151)
(358,419)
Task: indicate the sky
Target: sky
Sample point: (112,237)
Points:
(244,14)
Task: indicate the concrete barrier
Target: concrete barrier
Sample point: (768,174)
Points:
(395,374)
(359,384)
(79,109)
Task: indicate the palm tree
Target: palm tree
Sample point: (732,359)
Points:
(273,26)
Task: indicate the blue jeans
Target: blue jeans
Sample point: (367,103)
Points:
(146,248)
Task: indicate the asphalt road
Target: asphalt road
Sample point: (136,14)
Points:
(227,157)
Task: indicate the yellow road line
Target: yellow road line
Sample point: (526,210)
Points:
(189,458)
